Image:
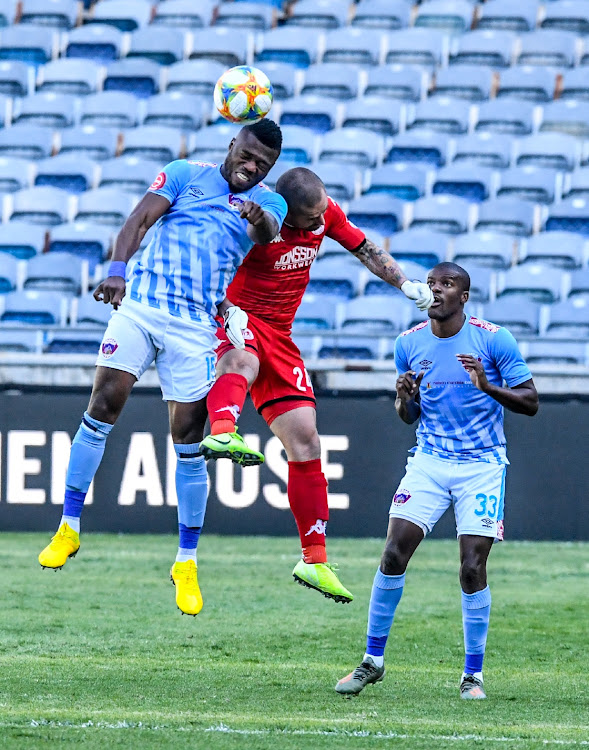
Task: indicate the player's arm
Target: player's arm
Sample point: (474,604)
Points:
(521,398)
(262,225)
(407,403)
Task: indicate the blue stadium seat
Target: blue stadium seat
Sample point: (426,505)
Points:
(352,146)
(106,206)
(313,112)
(283,77)
(555,151)
(26,142)
(456,179)
(383,314)
(15,174)
(576,184)
(335,277)
(220,44)
(545,47)
(289,45)
(561,249)
(157,43)
(441,213)
(507,215)
(318,14)
(154,142)
(73,342)
(574,84)
(579,288)
(34,308)
(348,347)
(341,181)
(82,239)
(48,110)
(570,215)
(175,109)
(68,76)
(405,82)
(536,184)
(516,312)
(58,272)
(59,14)
(422,246)
(488,249)
(184,14)
(22,240)
(404,181)
(112,109)
(213,141)
(568,116)
(73,173)
(194,76)
(281,166)
(248,15)
(129,173)
(416,47)
(30,44)
(99,42)
(134,75)
(7,13)
(8,273)
(483,47)
(471,82)
(557,353)
(298,144)
(377,212)
(95,143)
(352,45)
(450,16)
(419,146)
(14,78)
(125,15)
(367,112)
(316,313)
(505,116)
(89,312)
(20,341)
(332,80)
(46,206)
(382,14)
(567,15)
(503,15)
(531,82)
(536,281)
(442,114)
(481,283)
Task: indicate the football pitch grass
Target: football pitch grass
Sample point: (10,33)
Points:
(97,654)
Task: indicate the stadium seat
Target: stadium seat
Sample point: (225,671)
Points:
(249,15)
(48,110)
(89,312)
(307,345)
(95,143)
(316,313)
(26,142)
(30,44)
(567,15)
(503,15)
(472,184)
(283,77)
(561,249)
(352,146)
(504,115)
(377,212)
(557,353)
(404,82)
(570,215)
(34,308)
(220,44)
(129,173)
(99,42)
(530,82)
(159,44)
(471,82)
(313,112)
(419,146)
(404,181)
(576,184)
(59,14)
(58,272)
(82,239)
(113,109)
(488,249)
(289,45)
(73,342)
(545,47)
(21,239)
(536,184)
(73,173)
(442,114)
(318,14)
(382,14)
(125,15)
(483,47)
(516,312)
(281,166)
(183,14)
(441,213)
(14,78)
(425,47)
(106,206)
(367,112)
(352,45)
(419,245)
(8,273)
(7,13)
(507,215)
(482,284)
(15,174)
(332,80)
(20,341)
(555,151)
(46,206)
(175,109)
(194,76)
(574,84)
(213,140)
(68,76)
(341,181)
(537,281)
(298,144)
(348,347)
(579,286)
(157,143)
(568,116)
(384,315)
(451,16)
(134,75)
(335,277)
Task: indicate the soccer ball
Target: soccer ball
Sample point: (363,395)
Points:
(243,94)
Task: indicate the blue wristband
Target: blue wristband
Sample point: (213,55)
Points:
(117,268)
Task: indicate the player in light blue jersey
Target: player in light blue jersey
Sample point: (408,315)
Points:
(451,374)
(207,218)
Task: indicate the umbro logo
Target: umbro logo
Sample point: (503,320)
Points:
(426,364)
(196,192)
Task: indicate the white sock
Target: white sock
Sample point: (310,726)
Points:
(478,675)
(72,521)
(185,554)
(378,660)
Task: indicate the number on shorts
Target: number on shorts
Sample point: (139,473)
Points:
(300,373)
(482,509)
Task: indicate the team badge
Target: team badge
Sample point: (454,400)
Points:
(235,202)
(159,181)
(108,348)
(401,497)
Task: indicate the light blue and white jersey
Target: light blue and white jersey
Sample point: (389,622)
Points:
(199,242)
(457,420)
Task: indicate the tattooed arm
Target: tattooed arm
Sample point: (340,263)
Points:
(380,263)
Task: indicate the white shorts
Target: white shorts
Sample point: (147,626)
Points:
(476,489)
(183,350)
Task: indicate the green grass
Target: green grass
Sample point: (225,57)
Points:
(98,654)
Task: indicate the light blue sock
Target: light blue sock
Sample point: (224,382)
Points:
(386,595)
(191,485)
(476,611)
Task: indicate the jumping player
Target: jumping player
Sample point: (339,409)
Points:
(208,217)
(269,287)
(460,460)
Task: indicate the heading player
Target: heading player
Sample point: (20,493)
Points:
(269,287)
(460,460)
(208,217)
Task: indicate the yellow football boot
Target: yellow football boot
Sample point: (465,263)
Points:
(64,544)
(188,596)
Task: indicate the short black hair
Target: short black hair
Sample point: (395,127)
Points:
(458,271)
(300,187)
(268,133)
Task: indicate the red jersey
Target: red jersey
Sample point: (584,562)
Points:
(272,279)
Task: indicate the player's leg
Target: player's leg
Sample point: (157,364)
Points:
(307,495)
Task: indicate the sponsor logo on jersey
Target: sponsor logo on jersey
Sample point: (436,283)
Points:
(484,324)
(319,527)
(401,497)
(235,202)
(298,257)
(196,192)
(203,163)
(418,327)
(108,348)
(159,181)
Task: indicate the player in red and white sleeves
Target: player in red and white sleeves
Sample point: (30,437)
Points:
(269,287)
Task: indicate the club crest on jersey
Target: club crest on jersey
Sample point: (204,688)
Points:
(401,497)
(108,348)
(235,202)
(159,181)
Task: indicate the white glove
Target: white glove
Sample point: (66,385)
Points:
(235,323)
(420,292)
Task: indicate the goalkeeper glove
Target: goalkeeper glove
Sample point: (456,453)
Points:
(418,291)
(235,320)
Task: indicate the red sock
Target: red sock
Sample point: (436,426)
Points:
(307,495)
(225,402)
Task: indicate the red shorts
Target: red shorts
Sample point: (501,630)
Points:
(282,383)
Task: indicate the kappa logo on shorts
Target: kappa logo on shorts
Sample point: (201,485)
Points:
(159,181)
(108,348)
(401,497)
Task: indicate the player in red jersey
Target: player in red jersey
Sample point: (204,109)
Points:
(269,287)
